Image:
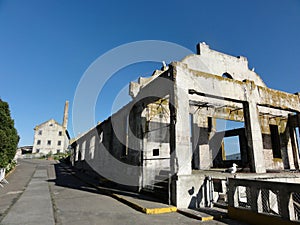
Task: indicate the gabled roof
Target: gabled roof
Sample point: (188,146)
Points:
(43,124)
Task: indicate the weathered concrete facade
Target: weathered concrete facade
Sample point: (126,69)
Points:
(170,125)
(50,137)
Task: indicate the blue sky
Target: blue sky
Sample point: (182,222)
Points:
(46,46)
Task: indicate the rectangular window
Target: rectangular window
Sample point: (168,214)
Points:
(38,150)
(156,152)
(59,133)
(58,151)
(209,124)
(59,143)
(40,132)
(275,139)
(49,142)
(125,148)
(38,142)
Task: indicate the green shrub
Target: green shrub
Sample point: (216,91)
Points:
(8,136)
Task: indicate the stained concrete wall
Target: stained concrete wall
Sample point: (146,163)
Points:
(217,63)
(131,146)
(104,149)
(159,118)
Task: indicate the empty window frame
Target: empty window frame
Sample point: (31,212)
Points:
(156,152)
(49,142)
(275,139)
(232,148)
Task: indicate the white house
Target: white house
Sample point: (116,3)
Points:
(51,137)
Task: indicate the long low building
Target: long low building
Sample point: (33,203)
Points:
(170,136)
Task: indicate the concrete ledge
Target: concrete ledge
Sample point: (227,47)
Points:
(161,210)
(144,209)
(251,217)
(195,214)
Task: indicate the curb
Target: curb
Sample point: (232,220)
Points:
(10,172)
(197,217)
(145,210)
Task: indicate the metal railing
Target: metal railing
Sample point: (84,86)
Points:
(265,197)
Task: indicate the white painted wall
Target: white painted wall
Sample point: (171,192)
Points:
(49,131)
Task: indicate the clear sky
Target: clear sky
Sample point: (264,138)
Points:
(46,46)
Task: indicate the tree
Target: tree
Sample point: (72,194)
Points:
(9,138)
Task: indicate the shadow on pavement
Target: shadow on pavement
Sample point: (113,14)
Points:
(71,177)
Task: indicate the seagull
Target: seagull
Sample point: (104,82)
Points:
(165,67)
(232,169)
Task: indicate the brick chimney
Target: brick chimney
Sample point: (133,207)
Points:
(65,119)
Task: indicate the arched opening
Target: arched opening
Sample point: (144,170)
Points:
(227,75)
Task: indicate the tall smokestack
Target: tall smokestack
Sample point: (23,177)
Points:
(65,119)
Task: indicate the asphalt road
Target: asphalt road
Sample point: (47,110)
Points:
(42,192)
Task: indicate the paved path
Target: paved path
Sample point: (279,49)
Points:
(34,206)
(18,182)
(43,192)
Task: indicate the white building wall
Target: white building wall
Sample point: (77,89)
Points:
(49,137)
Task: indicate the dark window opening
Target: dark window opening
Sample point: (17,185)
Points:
(156,152)
(38,142)
(227,75)
(49,142)
(40,132)
(275,139)
(38,150)
(209,124)
(59,143)
(59,133)
(125,148)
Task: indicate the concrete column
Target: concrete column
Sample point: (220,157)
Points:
(232,194)
(135,125)
(293,142)
(172,108)
(284,203)
(182,132)
(253,129)
(254,193)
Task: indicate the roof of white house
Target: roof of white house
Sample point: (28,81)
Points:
(47,122)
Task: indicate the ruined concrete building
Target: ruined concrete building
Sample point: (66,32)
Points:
(169,137)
